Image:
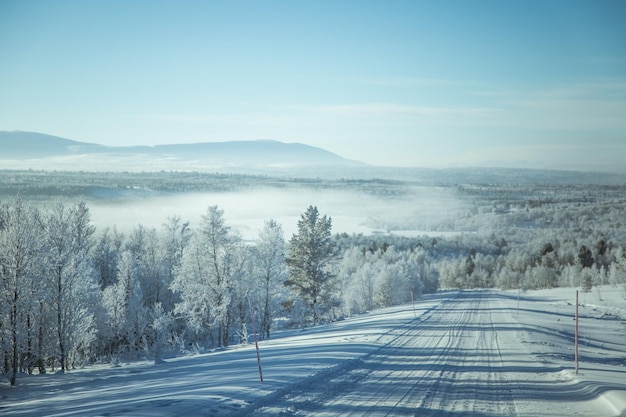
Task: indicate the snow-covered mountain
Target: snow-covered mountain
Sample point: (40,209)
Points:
(29,145)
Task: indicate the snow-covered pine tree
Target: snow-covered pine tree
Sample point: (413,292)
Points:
(311,253)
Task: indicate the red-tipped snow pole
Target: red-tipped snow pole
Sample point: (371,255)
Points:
(576,336)
(256,343)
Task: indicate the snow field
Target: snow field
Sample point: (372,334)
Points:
(545,335)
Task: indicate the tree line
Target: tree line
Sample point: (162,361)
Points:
(71,296)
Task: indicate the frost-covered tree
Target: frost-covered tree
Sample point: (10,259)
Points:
(240,287)
(415,269)
(69,278)
(192,284)
(177,237)
(19,293)
(379,275)
(586,283)
(146,252)
(453,272)
(106,256)
(161,327)
(219,244)
(392,288)
(311,253)
(113,300)
(617,270)
(154,259)
(270,269)
(128,318)
(351,282)
(365,280)
(541,277)
(205,279)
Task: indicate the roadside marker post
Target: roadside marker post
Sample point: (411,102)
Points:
(413,301)
(576,336)
(256,343)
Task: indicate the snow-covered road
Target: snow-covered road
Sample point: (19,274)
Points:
(468,356)
(447,362)
(469,353)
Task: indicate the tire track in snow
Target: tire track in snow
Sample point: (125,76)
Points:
(472,381)
(310,395)
(447,362)
(502,383)
(447,371)
(408,385)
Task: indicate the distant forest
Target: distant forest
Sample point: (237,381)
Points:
(87,184)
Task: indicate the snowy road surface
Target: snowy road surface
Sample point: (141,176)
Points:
(449,362)
(462,358)
(468,353)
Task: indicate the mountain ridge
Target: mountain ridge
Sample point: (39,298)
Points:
(263,152)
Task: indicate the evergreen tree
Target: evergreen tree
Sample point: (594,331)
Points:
(585,257)
(311,254)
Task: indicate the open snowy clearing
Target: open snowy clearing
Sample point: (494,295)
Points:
(470,353)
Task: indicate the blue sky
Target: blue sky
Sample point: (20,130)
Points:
(401,83)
